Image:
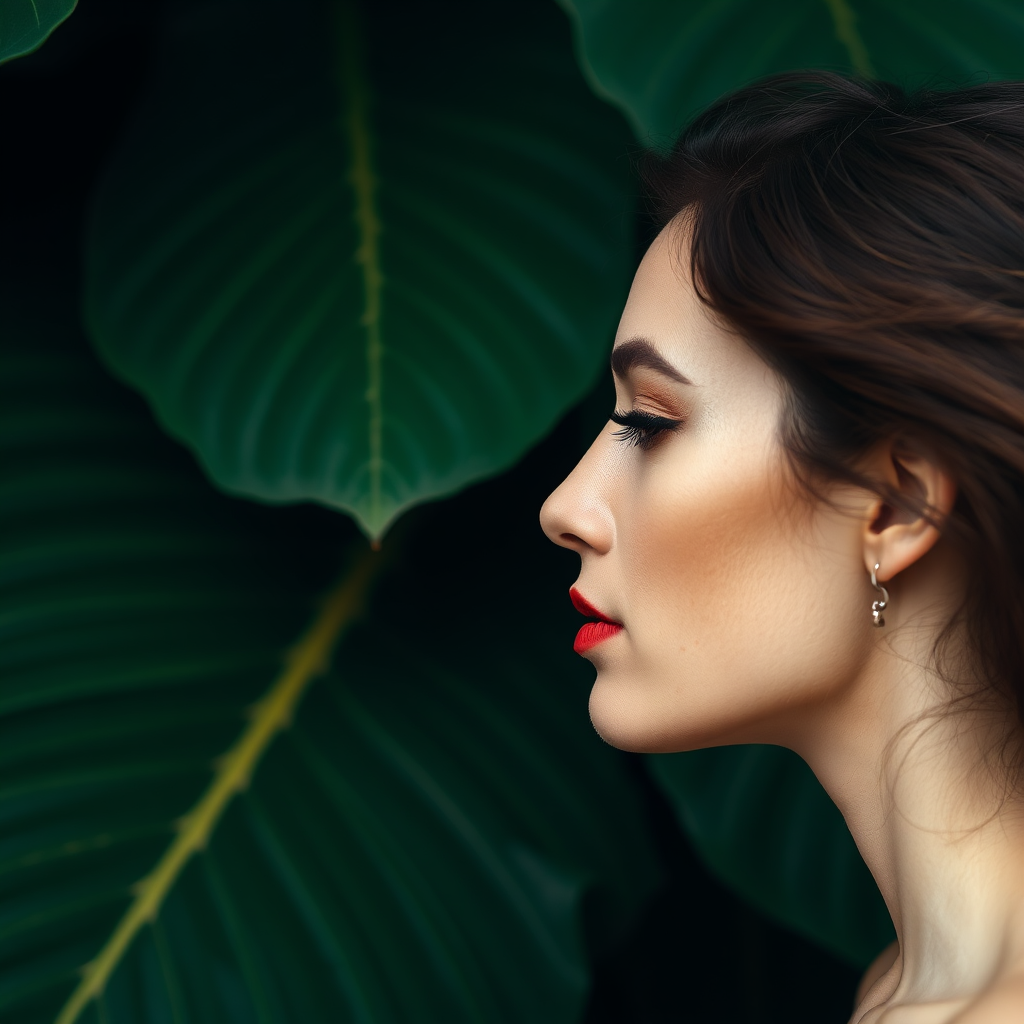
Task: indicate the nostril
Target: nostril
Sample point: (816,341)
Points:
(571,540)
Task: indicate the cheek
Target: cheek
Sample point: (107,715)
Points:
(738,607)
(708,561)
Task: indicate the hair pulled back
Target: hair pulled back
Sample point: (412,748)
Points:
(869,244)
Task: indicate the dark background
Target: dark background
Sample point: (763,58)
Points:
(698,954)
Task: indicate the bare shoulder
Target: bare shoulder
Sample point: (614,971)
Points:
(1001,1004)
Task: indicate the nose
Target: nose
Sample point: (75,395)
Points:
(576,515)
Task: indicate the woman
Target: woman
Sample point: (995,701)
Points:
(804,524)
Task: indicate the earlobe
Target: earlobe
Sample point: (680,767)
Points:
(896,535)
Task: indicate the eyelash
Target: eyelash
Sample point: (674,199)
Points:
(641,429)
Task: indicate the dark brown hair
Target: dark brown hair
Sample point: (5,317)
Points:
(869,244)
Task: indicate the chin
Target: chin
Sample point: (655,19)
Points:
(627,717)
(622,721)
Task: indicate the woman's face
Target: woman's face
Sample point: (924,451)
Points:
(742,604)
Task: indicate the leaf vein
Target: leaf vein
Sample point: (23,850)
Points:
(307,659)
(845,21)
(364,185)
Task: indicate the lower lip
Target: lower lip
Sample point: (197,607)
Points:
(591,634)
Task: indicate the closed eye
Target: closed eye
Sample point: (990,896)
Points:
(640,428)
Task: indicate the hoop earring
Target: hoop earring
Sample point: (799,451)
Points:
(877,607)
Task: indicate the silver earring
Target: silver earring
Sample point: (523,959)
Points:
(877,607)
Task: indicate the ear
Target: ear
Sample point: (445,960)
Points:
(893,537)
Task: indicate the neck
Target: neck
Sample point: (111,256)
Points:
(930,814)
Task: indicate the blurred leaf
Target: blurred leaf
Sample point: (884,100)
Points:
(26,24)
(662,61)
(416,846)
(762,823)
(363,259)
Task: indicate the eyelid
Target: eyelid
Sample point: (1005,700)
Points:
(641,428)
(641,416)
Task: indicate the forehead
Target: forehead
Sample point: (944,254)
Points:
(664,308)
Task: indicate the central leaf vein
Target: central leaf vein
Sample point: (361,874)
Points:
(845,21)
(364,186)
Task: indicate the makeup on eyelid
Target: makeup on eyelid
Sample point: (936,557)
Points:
(641,429)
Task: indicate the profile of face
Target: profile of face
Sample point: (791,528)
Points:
(735,605)
(743,603)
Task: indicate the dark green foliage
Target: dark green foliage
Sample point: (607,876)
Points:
(415,845)
(439,836)
(661,61)
(283,155)
(762,823)
(26,24)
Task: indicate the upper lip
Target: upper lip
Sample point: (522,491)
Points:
(584,607)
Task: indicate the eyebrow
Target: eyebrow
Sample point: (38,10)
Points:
(640,352)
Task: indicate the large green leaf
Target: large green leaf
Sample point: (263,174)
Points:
(662,61)
(417,845)
(760,820)
(26,24)
(362,257)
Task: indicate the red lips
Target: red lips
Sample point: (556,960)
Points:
(592,633)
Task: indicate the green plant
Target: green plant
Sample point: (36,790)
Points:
(26,24)
(353,257)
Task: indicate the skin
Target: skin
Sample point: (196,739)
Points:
(746,613)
